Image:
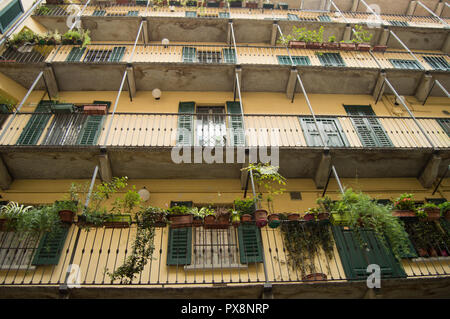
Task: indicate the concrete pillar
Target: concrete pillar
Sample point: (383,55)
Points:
(347,33)
(131,80)
(5,177)
(273,36)
(384,37)
(424,87)
(105,168)
(439,9)
(446,46)
(430,172)
(354,5)
(411,8)
(323,170)
(267,292)
(50,80)
(145,32)
(379,87)
(290,89)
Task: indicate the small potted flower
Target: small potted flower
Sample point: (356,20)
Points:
(331,44)
(293,216)
(235,218)
(246,209)
(429,211)
(252,4)
(68,208)
(404,206)
(311,214)
(120,216)
(199,214)
(362,38)
(156,215)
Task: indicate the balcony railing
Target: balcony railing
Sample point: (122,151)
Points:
(210,256)
(32,54)
(221,129)
(246,13)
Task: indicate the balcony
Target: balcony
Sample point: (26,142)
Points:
(211,258)
(250,25)
(139,145)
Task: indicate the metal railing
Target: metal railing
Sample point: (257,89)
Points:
(222,129)
(32,54)
(216,257)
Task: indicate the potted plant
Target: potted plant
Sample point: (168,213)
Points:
(10,213)
(311,214)
(157,215)
(274,220)
(222,218)
(37,220)
(347,46)
(293,216)
(445,210)
(252,4)
(235,3)
(179,216)
(379,48)
(246,209)
(235,218)
(210,218)
(268,180)
(325,207)
(404,206)
(68,208)
(198,214)
(76,37)
(314,39)
(331,44)
(23,41)
(120,216)
(296,39)
(362,38)
(429,211)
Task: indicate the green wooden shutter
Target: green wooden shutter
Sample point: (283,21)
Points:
(355,259)
(9,14)
(293,17)
(398,23)
(324,18)
(250,244)
(445,124)
(405,64)
(75,54)
(437,63)
(370,130)
(133,13)
(331,59)
(229,55)
(185,123)
(36,125)
(191,14)
(189,54)
(235,123)
(329,126)
(296,59)
(50,247)
(310,132)
(99,13)
(179,248)
(91,130)
(224,15)
(117,54)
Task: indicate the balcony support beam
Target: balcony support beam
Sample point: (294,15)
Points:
(424,87)
(131,81)
(273,36)
(378,90)
(430,172)
(354,5)
(105,167)
(439,8)
(323,171)
(411,8)
(384,36)
(145,32)
(292,81)
(446,46)
(5,176)
(50,81)
(347,33)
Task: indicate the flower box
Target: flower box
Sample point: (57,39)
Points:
(261,217)
(66,216)
(313,45)
(404,213)
(379,48)
(340,219)
(347,46)
(95,109)
(197,222)
(222,222)
(363,47)
(117,221)
(251,5)
(179,221)
(293,216)
(330,45)
(315,277)
(433,214)
(297,44)
(236,4)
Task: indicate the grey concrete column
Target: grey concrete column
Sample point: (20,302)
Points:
(145,32)
(411,8)
(50,80)
(105,168)
(384,37)
(273,36)
(446,46)
(290,89)
(424,87)
(430,172)
(5,177)
(379,85)
(439,9)
(354,5)
(323,171)
(131,80)
(347,33)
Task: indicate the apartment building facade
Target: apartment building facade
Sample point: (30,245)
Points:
(159,76)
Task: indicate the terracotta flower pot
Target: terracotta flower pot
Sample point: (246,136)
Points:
(314,45)
(315,277)
(66,216)
(179,221)
(274,220)
(363,47)
(297,44)
(379,48)
(294,216)
(347,46)
(309,217)
(433,214)
(330,45)
(246,218)
(422,252)
(447,215)
(197,222)
(323,216)
(261,217)
(403,213)
(95,109)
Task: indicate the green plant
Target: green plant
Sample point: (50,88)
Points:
(367,214)
(332,39)
(33,222)
(421,211)
(361,35)
(268,180)
(179,210)
(12,212)
(444,207)
(24,36)
(42,10)
(404,202)
(77,37)
(303,35)
(325,204)
(126,204)
(245,206)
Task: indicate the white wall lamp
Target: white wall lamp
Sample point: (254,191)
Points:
(144,194)
(156,94)
(165,42)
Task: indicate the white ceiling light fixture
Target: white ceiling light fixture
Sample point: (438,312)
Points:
(144,194)
(156,94)
(165,42)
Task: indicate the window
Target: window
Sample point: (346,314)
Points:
(331,59)
(296,59)
(398,23)
(97,56)
(295,195)
(437,62)
(405,64)
(330,127)
(210,126)
(209,56)
(9,14)
(369,129)
(16,252)
(36,124)
(189,54)
(75,54)
(229,55)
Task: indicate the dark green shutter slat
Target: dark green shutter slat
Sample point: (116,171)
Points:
(331,59)
(250,244)
(369,130)
(296,59)
(179,248)
(36,125)
(117,54)
(235,122)
(445,124)
(229,55)
(189,54)
(99,13)
(329,126)
(91,130)
(75,54)
(398,23)
(293,17)
(324,18)
(355,259)
(178,203)
(186,123)
(437,62)
(405,64)
(9,14)
(50,247)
